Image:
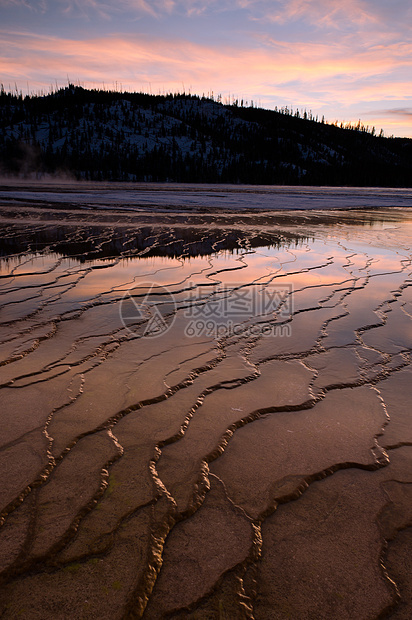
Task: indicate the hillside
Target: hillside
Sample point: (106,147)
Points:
(101,135)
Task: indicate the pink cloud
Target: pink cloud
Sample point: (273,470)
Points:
(172,59)
(331,13)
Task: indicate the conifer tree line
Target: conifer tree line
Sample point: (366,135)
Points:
(109,135)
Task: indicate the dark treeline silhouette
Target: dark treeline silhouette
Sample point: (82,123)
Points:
(105,135)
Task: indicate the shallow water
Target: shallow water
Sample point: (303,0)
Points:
(205,414)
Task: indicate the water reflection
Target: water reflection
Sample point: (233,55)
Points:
(89,243)
(168,388)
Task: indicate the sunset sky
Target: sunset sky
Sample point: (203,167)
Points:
(344,59)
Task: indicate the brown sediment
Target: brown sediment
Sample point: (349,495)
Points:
(216,470)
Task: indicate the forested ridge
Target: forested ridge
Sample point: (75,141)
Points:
(108,135)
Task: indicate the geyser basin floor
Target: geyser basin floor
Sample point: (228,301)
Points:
(205,414)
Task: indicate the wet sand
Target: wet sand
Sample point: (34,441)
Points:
(205,410)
